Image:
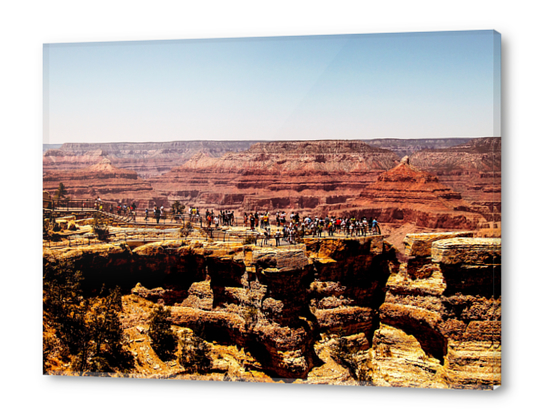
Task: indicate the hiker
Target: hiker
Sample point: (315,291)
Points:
(157,214)
(277,238)
(146,214)
(292,235)
(376,228)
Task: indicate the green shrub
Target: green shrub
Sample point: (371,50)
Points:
(163,339)
(194,354)
(87,331)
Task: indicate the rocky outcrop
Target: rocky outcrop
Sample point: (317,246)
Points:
(325,311)
(440,321)
(257,298)
(102,180)
(277,175)
(402,147)
(146,159)
(473,169)
(406,194)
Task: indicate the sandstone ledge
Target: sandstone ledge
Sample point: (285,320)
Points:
(467,251)
(419,244)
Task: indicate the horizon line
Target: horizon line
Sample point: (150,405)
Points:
(287,140)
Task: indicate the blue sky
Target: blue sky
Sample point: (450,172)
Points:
(411,85)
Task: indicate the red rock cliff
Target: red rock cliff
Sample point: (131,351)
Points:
(104,180)
(473,169)
(406,194)
(277,175)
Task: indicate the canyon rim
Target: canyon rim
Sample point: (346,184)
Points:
(337,261)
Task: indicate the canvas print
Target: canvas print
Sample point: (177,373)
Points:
(309,210)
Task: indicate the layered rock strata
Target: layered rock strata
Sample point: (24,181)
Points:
(257,298)
(277,175)
(406,194)
(406,147)
(327,311)
(102,180)
(440,321)
(148,159)
(473,169)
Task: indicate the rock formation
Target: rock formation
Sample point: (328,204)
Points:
(440,321)
(406,194)
(146,159)
(473,169)
(332,311)
(104,180)
(294,174)
(402,147)
(277,175)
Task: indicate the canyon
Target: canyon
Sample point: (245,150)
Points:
(418,306)
(302,175)
(146,159)
(406,194)
(102,180)
(440,188)
(151,159)
(277,175)
(472,169)
(324,311)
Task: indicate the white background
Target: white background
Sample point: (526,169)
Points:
(26,25)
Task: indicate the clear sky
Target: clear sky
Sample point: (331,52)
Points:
(411,85)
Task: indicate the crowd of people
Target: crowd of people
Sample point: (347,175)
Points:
(223,217)
(298,227)
(289,227)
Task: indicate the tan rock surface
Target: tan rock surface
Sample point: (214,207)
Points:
(338,311)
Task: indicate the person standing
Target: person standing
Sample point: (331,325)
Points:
(277,238)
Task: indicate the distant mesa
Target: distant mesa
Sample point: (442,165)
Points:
(152,159)
(148,159)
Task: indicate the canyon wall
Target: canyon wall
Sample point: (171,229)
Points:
(441,318)
(277,175)
(460,188)
(105,181)
(407,147)
(146,159)
(406,194)
(473,169)
(336,311)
